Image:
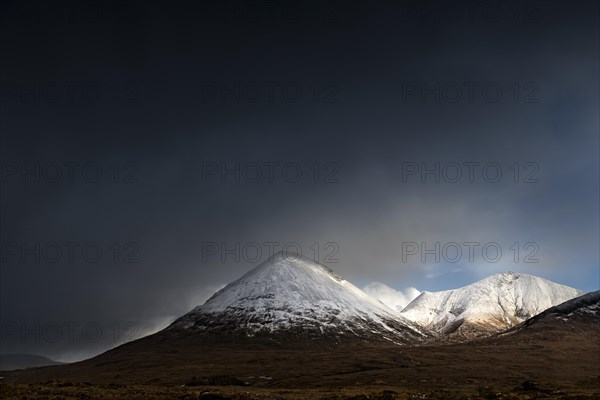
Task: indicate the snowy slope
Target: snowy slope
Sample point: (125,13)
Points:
(289,293)
(576,320)
(492,304)
(582,308)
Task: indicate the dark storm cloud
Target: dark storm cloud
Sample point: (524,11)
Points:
(161,100)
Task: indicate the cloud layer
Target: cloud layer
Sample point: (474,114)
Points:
(392,298)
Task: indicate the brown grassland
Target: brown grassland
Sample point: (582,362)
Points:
(543,362)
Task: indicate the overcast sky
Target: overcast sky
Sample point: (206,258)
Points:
(150,155)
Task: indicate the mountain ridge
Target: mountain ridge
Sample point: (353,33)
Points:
(487,306)
(583,308)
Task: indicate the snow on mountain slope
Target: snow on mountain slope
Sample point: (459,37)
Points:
(576,320)
(293,294)
(582,308)
(487,306)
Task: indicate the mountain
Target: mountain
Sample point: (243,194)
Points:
(281,304)
(18,361)
(485,307)
(292,298)
(289,319)
(576,317)
(582,308)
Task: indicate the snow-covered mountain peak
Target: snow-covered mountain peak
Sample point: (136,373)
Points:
(505,277)
(288,292)
(282,278)
(288,261)
(497,302)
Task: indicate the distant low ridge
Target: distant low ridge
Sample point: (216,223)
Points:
(10,362)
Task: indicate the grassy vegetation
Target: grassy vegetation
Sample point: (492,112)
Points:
(60,390)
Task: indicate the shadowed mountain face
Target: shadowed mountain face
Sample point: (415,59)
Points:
(488,306)
(584,308)
(577,318)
